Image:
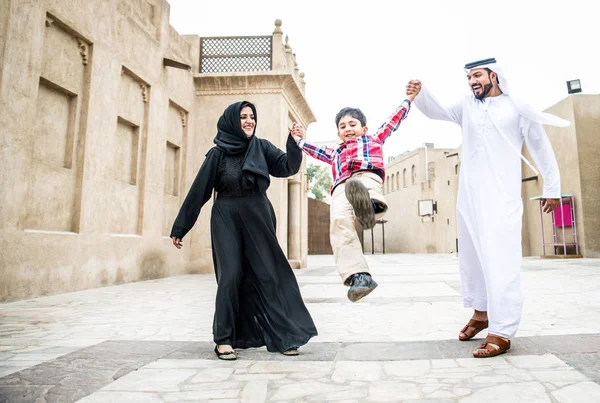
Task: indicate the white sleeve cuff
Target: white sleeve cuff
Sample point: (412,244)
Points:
(552,193)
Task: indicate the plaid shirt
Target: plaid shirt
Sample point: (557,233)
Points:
(364,153)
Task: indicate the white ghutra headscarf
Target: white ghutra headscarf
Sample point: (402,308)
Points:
(524,108)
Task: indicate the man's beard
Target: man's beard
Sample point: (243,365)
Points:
(486,90)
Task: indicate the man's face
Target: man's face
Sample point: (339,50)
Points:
(480,82)
(349,128)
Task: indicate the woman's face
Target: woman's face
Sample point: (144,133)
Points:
(247,121)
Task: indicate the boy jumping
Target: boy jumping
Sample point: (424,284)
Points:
(357,191)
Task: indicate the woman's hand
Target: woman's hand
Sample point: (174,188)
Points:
(177,242)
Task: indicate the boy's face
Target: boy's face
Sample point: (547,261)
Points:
(349,128)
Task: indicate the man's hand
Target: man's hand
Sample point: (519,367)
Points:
(297,132)
(177,242)
(549,205)
(412,89)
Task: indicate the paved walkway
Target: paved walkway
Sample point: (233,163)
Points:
(151,342)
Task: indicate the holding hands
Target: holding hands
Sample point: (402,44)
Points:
(297,132)
(412,89)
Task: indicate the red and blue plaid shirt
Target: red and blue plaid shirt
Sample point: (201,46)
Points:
(364,153)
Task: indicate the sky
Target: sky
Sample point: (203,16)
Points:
(362,53)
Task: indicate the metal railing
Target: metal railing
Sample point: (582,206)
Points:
(236,54)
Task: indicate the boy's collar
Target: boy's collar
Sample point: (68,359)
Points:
(341,143)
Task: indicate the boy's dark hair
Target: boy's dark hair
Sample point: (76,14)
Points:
(354,112)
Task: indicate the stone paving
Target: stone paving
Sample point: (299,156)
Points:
(151,341)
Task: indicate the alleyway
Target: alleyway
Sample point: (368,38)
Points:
(151,341)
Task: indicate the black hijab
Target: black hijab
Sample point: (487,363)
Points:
(231,139)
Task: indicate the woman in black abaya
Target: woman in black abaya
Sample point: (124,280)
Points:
(258,301)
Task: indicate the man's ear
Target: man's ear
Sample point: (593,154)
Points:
(365,130)
(494,77)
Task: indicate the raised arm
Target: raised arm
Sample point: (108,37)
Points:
(433,109)
(321,153)
(198,195)
(282,164)
(393,122)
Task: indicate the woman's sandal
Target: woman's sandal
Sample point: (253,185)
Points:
(291,351)
(478,325)
(227,355)
(489,349)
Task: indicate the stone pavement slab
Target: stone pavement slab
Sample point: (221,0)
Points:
(151,341)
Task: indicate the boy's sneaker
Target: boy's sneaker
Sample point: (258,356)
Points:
(358,196)
(361,285)
(379,206)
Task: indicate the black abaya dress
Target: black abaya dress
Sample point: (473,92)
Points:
(258,300)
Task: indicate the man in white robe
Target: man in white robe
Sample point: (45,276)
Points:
(489,208)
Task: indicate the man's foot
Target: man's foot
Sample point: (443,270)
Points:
(361,285)
(225,352)
(358,196)
(493,346)
(471,329)
(478,322)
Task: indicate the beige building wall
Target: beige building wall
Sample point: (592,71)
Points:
(577,148)
(408,181)
(101,141)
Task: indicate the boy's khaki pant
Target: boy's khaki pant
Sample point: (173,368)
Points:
(347,249)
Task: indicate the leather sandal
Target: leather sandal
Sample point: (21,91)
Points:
(291,351)
(227,355)
(489,349)
(478,325)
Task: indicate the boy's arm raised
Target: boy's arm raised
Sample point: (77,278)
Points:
(391,125)
(393,122)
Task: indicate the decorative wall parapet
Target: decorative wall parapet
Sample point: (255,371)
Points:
(256,83)
(278,53)
(244,54)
